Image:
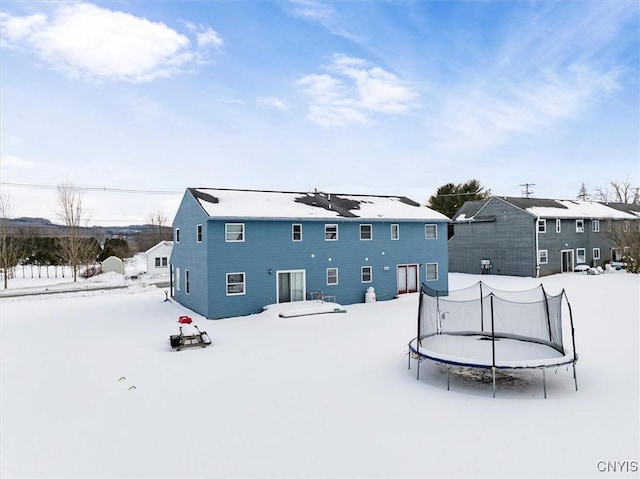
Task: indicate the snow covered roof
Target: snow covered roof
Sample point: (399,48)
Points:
(579,209)
(549,208)
(164,243)
(229,203)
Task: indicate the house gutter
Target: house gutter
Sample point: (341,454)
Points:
(537,253)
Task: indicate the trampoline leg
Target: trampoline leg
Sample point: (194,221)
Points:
(418,373)
(493,373)
(544,383)
(575,378)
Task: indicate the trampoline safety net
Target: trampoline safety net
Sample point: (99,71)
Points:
(530,315)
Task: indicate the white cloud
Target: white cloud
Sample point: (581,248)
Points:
(354,91)
(323,14)
(205,36)
(312,10)
(476,119)
(87,41)
(11,161)
(273,102)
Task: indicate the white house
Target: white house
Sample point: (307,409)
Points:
(158,258)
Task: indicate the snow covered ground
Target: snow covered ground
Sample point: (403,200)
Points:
(91,388)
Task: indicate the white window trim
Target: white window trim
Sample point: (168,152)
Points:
(584,255)
(177,235)
(558,225)
(337,232)
(244,284)
(370,274)
(187,282)
(580,229)
(397,228)
(370,232)
(426,272)
(595,226)
(542,225)
(543,256)
(596,253)
(199,233)
(332,269)
(226,233)
(293,226)
(178,279)
(435,230)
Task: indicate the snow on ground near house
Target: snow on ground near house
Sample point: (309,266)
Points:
(91,388)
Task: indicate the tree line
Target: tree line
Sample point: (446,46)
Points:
(72,243)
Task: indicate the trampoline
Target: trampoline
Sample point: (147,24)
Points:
(483,327)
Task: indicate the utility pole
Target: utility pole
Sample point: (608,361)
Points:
(527,192)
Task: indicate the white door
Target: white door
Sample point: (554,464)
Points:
(407,278)
(290,286)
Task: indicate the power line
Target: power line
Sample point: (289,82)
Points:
(103,189)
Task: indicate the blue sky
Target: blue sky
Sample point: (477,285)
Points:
(378,97)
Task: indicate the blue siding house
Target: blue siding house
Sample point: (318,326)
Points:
(236,251)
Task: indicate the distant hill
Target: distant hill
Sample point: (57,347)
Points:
(145,235)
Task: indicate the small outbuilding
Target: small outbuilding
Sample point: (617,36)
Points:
(158,258)
(113,264)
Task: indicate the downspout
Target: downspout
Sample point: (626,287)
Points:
(537,253)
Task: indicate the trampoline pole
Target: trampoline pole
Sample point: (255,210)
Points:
(575,378)
(493,374)
(418,368)
(448,369)
(544,383)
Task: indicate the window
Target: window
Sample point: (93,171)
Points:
(542,226)
(235,284)
(558,226)
(626,226)
(187,285)
(581,254)
(366,274)
(365,232)
(161,262)
(178,279)
(432,271)
(543,256)
(431,231)
(395,232)
(331,232)
(177,235)
(296,232)
(579,226)
(595,226)
(332,275)
(596,253)
(199,233)
(234,232)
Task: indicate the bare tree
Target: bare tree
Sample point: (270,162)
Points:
(620,192)
(74,248)
(624,236)
(158,222)
(9,244)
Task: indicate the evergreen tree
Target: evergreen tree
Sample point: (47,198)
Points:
(449,198)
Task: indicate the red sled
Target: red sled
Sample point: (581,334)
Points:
(184,320)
